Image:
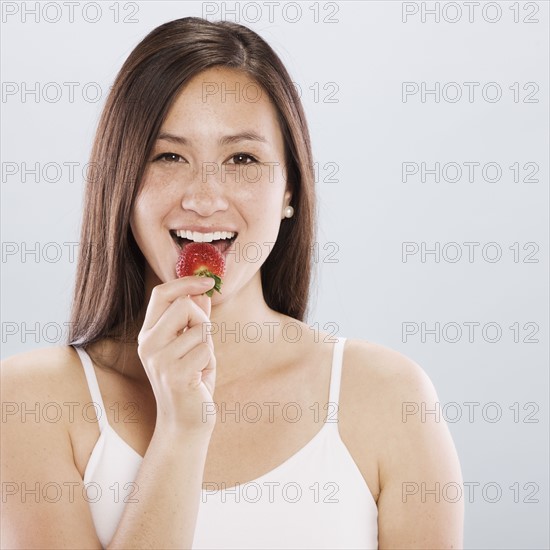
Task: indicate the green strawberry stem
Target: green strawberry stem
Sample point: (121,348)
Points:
(208,273)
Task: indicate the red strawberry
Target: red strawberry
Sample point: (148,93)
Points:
(202,260)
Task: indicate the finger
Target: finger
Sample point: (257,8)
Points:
(163,295)
(184,343)
(181,314)
(204,302)
(192,363)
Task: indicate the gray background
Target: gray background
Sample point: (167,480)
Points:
(364,288)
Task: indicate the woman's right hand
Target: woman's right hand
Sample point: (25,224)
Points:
(177,354)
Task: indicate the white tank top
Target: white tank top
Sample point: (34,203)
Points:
(317,498)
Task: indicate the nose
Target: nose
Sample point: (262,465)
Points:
(205,194)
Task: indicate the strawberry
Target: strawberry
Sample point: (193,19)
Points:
(202,260)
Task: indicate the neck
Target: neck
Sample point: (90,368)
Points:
(243,329)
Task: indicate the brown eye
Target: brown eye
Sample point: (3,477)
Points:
(170,157)
(243,158)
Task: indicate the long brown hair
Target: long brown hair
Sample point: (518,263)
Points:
(109,292)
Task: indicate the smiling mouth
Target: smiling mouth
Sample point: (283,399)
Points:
(221,240)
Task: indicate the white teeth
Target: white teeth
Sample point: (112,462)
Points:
(204,237)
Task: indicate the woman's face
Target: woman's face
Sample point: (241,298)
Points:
(217,165)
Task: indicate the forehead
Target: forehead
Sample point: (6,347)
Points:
(221,99)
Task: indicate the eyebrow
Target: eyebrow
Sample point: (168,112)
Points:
(224,140)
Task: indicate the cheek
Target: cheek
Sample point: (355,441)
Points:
(262,214)
(262,187)
(145,211)
(261,207)
(153,197)
(138,218)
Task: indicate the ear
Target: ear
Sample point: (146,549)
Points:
(287,199)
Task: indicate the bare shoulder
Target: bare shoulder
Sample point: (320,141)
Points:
(36,388)
(55,355)
(46,372)
(379,388)
(389,394)
(377,370)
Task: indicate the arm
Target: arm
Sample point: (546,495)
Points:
(169,481)
(421,500)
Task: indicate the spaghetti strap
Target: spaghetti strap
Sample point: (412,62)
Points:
(336,374)
(93,386)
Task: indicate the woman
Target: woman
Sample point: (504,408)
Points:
(203,433)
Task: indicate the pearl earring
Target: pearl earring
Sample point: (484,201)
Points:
(289,212)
